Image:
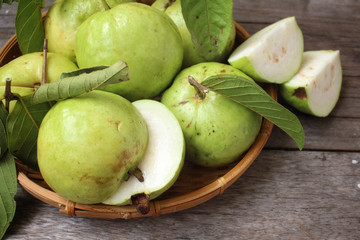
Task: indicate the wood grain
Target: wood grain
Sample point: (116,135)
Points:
(286,193)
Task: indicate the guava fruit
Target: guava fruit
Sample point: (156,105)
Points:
(26,72)
(113,3)
(217,130)
(315,89)
(87,145)
(64,18)
(273,54)
(163,158)
(142,36)
(191,55)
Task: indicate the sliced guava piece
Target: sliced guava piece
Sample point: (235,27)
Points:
(315,89)
(273,54)
(163,159)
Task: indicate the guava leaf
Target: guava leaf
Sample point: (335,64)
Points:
(28,25)
(22,127)
(252,96)
(81,81)
(3,140)
(8,188)
(210,23)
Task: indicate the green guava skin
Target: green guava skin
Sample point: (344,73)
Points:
(142,36)
(64,18)
(26,72)
(113,3)
(288,93)
(191,55)
(87,145)
(217,130)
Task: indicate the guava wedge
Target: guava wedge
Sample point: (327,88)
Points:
(273,54)
(163,158)
(315,89)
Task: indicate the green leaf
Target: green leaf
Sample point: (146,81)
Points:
(8,188)
(210,23)
(251,95)
(22,127)
(81,81)
(28,24)
(3,140)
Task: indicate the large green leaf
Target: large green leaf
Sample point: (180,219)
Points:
(8,187)
(210,23)
(28,24)
(3,140)
(81,81)
(251,95)
(22,127)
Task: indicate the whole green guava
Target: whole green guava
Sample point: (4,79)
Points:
(64,18)
(191,55)
(142,36)
(88,144)
(217,130)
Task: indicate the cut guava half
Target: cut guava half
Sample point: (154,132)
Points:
(273,54)
(315,89)
(163,158)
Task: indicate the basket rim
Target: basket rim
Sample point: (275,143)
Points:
(157,207)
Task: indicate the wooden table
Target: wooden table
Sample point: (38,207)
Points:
(286,193)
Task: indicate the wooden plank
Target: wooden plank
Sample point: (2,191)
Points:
(326,24)
(350,87)
(310,10)
(322,134)
(284,195)
(5,34)
(7,25)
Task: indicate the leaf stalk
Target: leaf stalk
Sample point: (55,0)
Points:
(43,79)
(8,95)
(201,91)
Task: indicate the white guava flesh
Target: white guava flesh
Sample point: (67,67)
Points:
(315,89)
(273,54)
(163,158)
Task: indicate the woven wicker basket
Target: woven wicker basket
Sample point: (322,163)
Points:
(194,186)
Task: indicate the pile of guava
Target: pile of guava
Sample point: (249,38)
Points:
(117,143)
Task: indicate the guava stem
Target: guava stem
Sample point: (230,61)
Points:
(7,94)
(142,202)
(43,80)
(200,89)
(138,174)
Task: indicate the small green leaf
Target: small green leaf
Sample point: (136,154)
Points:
(28,24)
(210,23)
(81,81)
(22,127)
(251,95)
(8,188)
(3,140)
